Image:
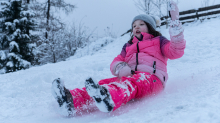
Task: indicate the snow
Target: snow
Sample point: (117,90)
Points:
(24,19)
(2,71)
(176,28)
(15,0)
(8,23)
(4,3)
(15,21)
(2,55)
(14,55)
(25,63)
(13,45)
(25,36)
(58,94)
(96,93)
(191,95)
(27,13)
(172,6)
(92,47)
(32,45)
(18,31)
(124,85)
(10,64)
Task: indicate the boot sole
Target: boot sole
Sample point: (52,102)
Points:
(58,91)
(100,95)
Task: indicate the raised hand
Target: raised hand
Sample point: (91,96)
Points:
(174,11)
(175,25)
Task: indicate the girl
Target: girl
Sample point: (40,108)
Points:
(140,68)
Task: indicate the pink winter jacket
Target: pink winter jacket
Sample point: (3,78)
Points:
(153,51)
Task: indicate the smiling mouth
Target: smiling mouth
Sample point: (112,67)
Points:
(138,32)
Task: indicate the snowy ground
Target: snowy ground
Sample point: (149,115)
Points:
(192,92)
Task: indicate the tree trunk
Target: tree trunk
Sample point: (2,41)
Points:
(160,8)
(48,17)
(148,6)
(167,14)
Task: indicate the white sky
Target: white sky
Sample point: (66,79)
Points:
(116,14)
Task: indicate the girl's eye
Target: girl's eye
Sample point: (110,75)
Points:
(134,26)
(141,24)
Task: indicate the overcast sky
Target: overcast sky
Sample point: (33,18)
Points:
(116,14)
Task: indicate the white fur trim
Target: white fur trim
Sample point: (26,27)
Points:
(158,21)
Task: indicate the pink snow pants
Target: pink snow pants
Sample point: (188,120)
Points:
(122,90)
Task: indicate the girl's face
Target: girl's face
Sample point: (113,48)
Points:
(138,27)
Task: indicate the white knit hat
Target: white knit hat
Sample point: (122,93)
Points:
(152,20)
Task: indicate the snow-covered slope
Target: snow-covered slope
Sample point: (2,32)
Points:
(192,93)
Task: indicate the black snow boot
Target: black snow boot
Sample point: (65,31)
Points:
(63,97)
(100,94)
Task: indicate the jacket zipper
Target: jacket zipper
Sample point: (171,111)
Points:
(137,56)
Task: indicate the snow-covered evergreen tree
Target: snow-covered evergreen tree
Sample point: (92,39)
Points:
(15,45)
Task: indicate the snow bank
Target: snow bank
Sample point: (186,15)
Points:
(92,48)
(192,92)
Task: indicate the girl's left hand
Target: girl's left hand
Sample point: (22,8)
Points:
(174,11)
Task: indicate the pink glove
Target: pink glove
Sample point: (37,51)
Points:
(175,25)
(125,71)
(176,29)
(174,11)
(122,69)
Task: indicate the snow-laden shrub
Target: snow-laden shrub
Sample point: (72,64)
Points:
(93,47)
(62,43)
